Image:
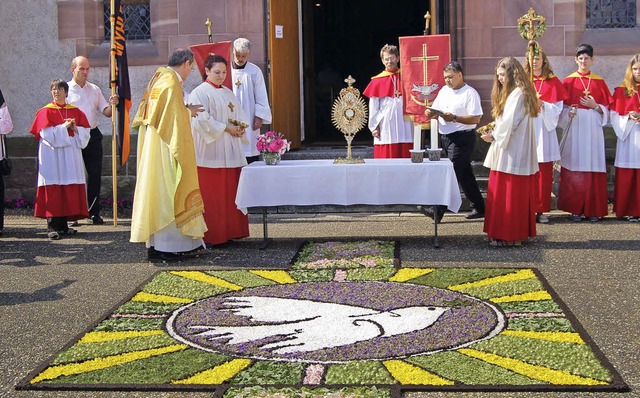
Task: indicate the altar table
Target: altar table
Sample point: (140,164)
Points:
(375,182)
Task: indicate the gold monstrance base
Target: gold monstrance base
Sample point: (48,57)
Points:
(349,115)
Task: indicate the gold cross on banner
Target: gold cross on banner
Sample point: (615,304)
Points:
(425,59)
(231,106)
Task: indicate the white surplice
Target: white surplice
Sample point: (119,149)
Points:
(513,150)
(250,89)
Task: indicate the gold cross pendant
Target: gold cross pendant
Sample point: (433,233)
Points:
(231,106)
(238,83)
(586,92)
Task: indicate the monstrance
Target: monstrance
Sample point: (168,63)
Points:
(349,115)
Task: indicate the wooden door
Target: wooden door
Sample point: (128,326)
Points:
(284,74)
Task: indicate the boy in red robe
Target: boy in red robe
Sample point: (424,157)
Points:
(63,130)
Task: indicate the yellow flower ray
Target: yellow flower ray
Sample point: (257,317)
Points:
(160,298)
(539,295)
(101,337)
(515,276)
(407,373)
(533,371)
(103,363)
(218,374)
(282,277)
(558,337)
(406,274)
(206,278)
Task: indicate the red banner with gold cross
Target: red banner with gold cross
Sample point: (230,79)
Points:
(422,59)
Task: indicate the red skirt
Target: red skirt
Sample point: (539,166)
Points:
(626,200)
(510,209)
(387,151)
(544,181)
(583,192)
(68,201)
(224,220)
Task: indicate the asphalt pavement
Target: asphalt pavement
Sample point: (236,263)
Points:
(52,291)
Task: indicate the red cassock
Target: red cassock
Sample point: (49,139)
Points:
(224,220)
(513,196)
(584,192)
(550,89)
(626,200)
(382,86)
(576,84)
(59,200)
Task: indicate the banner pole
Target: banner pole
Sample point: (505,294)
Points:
(114,147)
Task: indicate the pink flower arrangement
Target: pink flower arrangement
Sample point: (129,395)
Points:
(272,142)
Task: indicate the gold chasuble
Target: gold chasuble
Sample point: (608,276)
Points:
(167,179)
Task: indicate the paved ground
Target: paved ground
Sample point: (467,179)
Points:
(50,292)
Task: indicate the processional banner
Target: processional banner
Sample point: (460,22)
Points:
(202,51)
(422,59)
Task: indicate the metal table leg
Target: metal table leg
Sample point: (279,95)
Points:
(265,232)
(436,216)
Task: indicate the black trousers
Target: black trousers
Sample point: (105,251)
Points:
(458,147)
(92,156)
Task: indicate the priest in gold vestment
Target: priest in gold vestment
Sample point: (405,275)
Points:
(167,205)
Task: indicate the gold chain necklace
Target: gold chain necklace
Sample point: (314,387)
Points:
(538,89)
(586,91)
(66,111)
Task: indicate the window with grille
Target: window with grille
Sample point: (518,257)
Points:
(611,14)
(137,19)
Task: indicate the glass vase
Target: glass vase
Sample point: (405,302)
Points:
(271,158)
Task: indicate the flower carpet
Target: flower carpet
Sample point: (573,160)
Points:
(343,320)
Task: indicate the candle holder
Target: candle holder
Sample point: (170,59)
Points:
(434,154)
(417,155)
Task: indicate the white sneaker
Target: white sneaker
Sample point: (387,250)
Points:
(542,218)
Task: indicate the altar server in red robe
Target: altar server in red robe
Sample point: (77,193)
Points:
(392,134)
(625,115)
(63,130)
(551,95)
(220,154)
(583,177)
(510,208)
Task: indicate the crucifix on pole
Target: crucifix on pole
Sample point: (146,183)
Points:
(531,26)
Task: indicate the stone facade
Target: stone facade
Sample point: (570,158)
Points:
(40,37)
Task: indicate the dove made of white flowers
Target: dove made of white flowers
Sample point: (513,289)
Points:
(296,325)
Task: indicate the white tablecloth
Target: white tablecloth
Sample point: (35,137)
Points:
(376,182)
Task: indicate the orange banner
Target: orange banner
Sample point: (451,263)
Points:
(422,59)
(202,51)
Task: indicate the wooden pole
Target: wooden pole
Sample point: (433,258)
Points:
(114,131)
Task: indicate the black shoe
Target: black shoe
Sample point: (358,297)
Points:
(474,214)
(97,220)
(156,256)
(430,212)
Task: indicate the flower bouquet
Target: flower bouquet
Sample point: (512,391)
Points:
(272,145)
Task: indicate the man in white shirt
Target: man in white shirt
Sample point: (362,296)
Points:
(249,87)
(89,98)
(460,104)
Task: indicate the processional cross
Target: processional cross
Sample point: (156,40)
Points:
(531,27)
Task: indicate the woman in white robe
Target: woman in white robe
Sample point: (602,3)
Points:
(510,207)
(218,139)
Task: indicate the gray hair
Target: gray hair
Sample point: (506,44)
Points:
(242,45)
(179,56)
